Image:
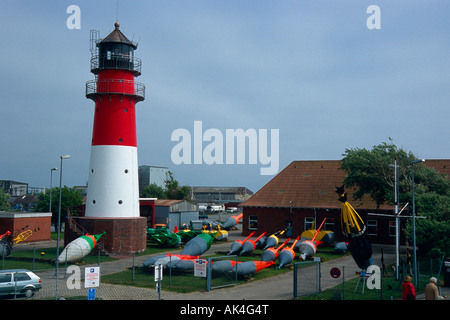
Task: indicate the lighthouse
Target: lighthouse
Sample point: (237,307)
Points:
(112,203)
(113,188)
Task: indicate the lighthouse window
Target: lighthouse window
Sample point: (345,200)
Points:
(93,201)
(120,140)
(120,201)
(126,170)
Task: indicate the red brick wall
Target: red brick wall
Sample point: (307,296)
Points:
(39,226)
(272,220)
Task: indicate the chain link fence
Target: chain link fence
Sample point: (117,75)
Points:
(306,278)
(222,272)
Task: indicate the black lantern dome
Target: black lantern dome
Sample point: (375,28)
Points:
(116,51)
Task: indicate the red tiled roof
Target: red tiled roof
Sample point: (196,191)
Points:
(308,184)
(440,165)
(312,184)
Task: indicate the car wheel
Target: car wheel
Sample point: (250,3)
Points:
(29,293)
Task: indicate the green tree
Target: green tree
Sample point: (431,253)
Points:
(153,191)
(174,191)
(71,199)
(4,201)
(184,193)
(369,172)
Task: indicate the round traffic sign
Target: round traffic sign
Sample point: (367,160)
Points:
(335,273)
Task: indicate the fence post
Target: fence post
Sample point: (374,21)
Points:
(319,277)
(100,282)
(295,280)
(170,270)
(34,257)
(343,282)
(133,268)
(208,276)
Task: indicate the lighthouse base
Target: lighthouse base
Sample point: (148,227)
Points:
(123,235)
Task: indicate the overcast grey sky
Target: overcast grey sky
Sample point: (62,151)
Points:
(311,69)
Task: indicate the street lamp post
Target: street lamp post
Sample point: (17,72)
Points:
(397,230)
(51,180)
(414,220)
(59,219)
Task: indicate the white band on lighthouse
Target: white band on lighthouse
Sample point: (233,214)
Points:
(113,188)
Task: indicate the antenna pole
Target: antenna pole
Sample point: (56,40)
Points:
(117,10)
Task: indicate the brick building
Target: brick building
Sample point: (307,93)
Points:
(304,192)
(33,226)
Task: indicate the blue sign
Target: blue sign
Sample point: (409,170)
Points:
(91,294)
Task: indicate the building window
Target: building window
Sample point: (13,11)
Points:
(329,225)
(392,228)
(309,223)
(253,222)
(372,227)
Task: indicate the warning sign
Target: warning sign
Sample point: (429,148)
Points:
(91,277)
(200,268)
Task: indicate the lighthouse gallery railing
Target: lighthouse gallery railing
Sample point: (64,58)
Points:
(116,61)
(125,87)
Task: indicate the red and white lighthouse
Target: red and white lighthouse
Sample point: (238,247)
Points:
(112,202)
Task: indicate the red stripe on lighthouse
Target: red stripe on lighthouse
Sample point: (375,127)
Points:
(115,113)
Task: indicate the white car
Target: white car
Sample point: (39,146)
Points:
(19,282)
